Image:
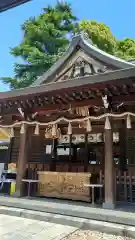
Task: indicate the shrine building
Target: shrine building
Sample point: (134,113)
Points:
(75,126)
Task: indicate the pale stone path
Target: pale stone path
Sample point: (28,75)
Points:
(92,235)
(16,228)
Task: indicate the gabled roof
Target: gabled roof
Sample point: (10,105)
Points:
(82,41)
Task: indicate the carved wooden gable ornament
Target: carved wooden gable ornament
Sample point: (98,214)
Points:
(80,65)
(81,59)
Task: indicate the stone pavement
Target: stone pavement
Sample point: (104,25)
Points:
(15,228)
(89,235)
(68,208)
(78,215)
(75,222)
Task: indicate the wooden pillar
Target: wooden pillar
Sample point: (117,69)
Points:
(54,155)
(86,153)
(122,142)
(22,162)
(70,153)
(109,171)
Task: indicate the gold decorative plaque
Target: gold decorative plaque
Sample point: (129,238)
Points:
(64,185)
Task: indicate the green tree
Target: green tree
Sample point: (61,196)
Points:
(47,36)
(100,35)
(45,40)
(126,48)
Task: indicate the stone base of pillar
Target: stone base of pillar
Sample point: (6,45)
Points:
(110,206)
(17,194)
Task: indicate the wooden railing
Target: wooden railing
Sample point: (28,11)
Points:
(124,184)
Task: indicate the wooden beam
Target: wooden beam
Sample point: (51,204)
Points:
(46,100)
(36,101)
(106,91)
(83,96)
(10,103)
(124,89)
(115,90)
(58,99)
(74,95)
(40,101)
(62,99)
(98,93)
(7,119)
(68,97)
(77,96)
(91,94)
(131,88)
(53,100)
(22,104)
(91,102)
(124,98)
(29,103)
(86,95)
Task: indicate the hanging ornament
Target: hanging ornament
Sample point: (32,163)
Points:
(47,133)
(54,130)
(12,132)
(82,111)
(22,130)
(107,123)
(36,130)
(129,122)
(69,129)
(58,133)
(89,127)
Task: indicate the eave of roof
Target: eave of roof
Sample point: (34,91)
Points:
(78,82)
(84,42)
(132,61)
(7,4)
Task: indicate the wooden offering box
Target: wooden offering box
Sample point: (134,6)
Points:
(64,185)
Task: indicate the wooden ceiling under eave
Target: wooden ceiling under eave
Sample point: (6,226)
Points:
(82,91)
(90,94)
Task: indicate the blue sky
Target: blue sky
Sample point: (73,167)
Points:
(117,14)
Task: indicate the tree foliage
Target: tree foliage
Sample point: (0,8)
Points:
(45,40)
(100,35)
(126,48)
(46,37)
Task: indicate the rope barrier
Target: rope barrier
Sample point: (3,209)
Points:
(121,115)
